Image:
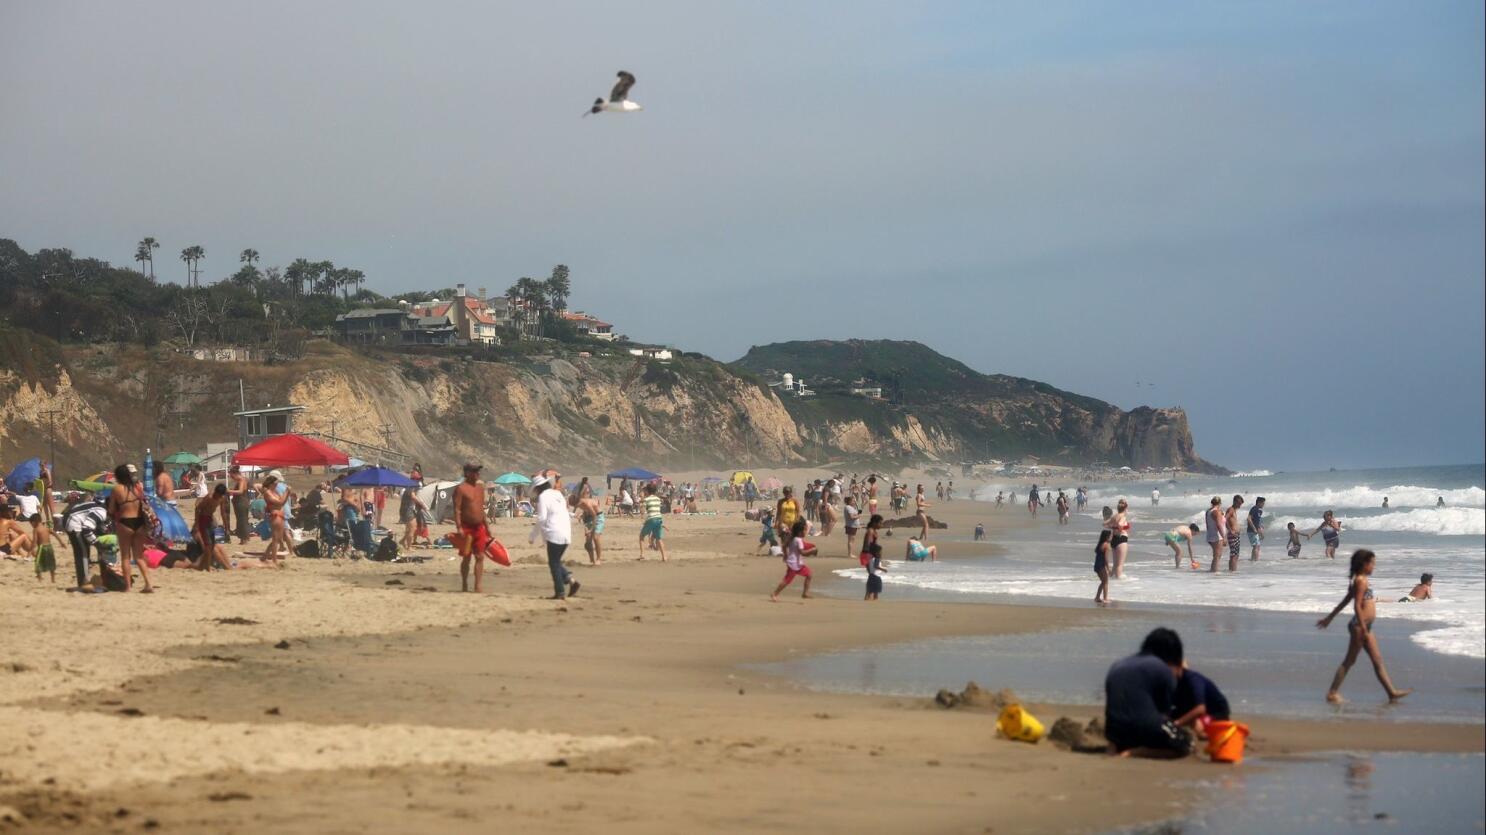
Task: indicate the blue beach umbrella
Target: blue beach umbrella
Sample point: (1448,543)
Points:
(172,526)
(23,476)
(378,477)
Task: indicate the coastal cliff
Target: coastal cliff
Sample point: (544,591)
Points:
(106,403)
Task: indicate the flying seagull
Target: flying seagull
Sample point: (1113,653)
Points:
(618,99)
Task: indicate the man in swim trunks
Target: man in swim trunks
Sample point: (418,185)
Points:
(1255,528)
(469,517)
(592,514)
(1230,523)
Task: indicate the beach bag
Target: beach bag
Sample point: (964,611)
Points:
(497,552)
(309,548)
(1226,740)
(1016,723)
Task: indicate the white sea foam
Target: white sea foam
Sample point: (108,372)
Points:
(1442,521)
(1253,474)
(1355,497)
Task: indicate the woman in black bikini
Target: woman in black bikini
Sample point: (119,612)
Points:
(1360,594)
(1119,542)
(126,509)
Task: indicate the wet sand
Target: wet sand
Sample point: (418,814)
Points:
(413,706)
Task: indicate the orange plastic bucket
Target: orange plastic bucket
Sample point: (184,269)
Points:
(1226,741)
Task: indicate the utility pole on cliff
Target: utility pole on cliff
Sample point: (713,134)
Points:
(51,437)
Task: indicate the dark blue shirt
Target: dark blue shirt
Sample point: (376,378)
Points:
(1137,695)
(1197,689)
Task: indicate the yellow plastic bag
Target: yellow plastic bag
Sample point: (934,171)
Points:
(1018,724)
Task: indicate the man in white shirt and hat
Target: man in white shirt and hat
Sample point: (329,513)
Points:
(555,526)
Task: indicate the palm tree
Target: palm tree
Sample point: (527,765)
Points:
(347,278)
(148,247)
(192,255)
(299,273)
(325,277)
(142,255)
(558,287)
(249,256)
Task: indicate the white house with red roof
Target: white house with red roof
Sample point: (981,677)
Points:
(590,325)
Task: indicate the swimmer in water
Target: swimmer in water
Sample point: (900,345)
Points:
(1421,592)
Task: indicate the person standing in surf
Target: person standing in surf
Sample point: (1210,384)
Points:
(1217,532)
(1331,533)
(1119,542)
(1101,567)
(1176,536)
(1231,522)
(1255,528)
(1359,628)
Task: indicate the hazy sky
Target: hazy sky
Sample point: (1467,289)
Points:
(1272,212)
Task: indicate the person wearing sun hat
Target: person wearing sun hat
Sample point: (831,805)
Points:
(555,526)
(469,518)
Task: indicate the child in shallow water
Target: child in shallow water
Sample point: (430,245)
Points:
(876,567)
(1293,549)
(1423,591)
(1101,566)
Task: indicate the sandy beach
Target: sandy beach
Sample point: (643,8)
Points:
(358,696)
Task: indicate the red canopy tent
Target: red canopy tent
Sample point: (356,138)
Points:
(291,450)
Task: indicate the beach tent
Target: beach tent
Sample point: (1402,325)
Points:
(172,525)
(513,478)
(182,457)
(377,477)
(438,497)
(23,476)
(290,450)
(742,477)
(635,474)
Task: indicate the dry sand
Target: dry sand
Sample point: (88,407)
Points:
(412,706)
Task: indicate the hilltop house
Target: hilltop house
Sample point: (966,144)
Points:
(470,316)
(590,325)
(393,326)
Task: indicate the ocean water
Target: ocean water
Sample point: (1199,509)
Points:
(1412,536)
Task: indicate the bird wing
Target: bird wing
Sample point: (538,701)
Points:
(621,89)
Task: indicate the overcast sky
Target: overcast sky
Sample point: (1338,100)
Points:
(1268,213)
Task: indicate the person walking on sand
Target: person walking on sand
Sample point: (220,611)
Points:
(654,526)
(410,514)
(795,552)
(1101,566)
(1255,528)
(871,494)
(473,526)
(592,514)
(876,567)
(1359,629)
(1217,533)
(555,526)
(1330,530)
(849,518)
(275,496)
(827,514)
(921,514)
(1119,541)
(786,511)
(1176,536)
(126,507)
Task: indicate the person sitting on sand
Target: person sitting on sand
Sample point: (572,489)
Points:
(1139,693)
(1179,534)
(795,552)
(1421,592)
(916,551)
(1198,701)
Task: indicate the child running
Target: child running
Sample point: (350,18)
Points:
(767,539)
(795,552)
(1101,566)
